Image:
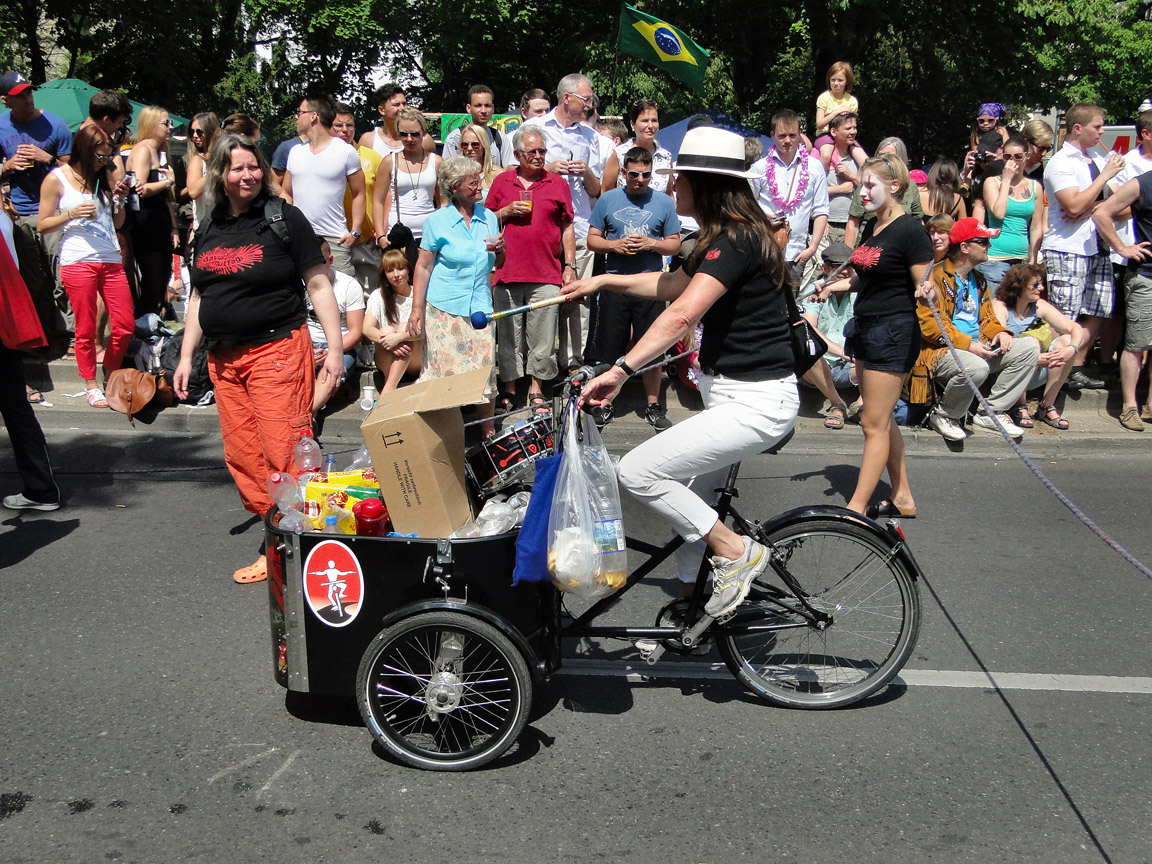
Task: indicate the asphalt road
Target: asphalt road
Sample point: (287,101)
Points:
(139,719)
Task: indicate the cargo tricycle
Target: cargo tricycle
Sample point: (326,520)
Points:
(443,653)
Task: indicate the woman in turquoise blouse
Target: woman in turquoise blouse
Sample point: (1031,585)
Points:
(1015,205)
(459,248)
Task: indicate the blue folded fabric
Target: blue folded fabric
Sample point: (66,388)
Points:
(532,544)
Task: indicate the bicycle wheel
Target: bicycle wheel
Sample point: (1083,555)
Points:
(444,691)
(847,572)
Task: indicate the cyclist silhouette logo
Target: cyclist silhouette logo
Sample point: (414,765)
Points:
(333,583)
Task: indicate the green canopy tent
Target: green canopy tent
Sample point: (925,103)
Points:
(67,98)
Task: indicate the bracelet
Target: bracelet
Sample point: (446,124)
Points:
(569,264)
(1075,348)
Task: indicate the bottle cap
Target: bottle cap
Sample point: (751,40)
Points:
(330,519)
(370,508)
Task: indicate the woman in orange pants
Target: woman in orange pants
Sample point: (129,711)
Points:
(247,307)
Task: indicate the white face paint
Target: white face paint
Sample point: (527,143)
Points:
(873,192)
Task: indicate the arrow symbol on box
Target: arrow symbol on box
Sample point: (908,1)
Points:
(392,435)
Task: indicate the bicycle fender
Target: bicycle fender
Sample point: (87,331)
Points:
(813,512)
(476,610)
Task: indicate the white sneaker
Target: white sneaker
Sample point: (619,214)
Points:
(986,422)
(732,580)
(946,426)
(19,502)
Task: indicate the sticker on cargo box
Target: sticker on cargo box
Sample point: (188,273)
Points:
(333,583)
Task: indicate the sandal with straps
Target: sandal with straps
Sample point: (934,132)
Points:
(1022,418)
(96,398)
(835,417)
(539,404)
(505,403)
(1045,412)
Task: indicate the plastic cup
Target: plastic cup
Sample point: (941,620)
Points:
(492,242)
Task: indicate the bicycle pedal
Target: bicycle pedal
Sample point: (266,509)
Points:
(646,647)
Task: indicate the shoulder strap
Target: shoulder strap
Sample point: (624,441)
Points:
(274,219)
(496,136)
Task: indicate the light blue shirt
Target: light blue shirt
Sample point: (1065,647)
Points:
(458,284)
(831,317)
(966,315)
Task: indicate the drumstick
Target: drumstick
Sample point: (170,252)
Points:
(480,320)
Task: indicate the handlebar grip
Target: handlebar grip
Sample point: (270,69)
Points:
(587,373)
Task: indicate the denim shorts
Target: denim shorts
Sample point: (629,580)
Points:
(885,343)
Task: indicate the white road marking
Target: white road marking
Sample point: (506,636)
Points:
(278,772)
(243,764)
(908,677)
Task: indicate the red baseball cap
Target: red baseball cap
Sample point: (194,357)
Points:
(970,228)
(12,82)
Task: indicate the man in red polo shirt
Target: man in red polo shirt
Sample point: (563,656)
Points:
(535,207)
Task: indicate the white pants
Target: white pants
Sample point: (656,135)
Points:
(677,472)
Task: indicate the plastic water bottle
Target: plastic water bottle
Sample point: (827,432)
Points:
(296,522)
(306,455)
(330,525)
(608,523)
(329,463)
(284,490)
(369,398)
(362,460)
(496,518)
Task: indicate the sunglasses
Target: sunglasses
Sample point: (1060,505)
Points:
(639,175)
(103,157)
(1037,284)
(1043,148)
(1015,157)
(409,134)
(196,133)
(470,145)
(982,241)
(167,123)
(539,151)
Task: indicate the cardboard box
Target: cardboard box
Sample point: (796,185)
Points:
(415,436)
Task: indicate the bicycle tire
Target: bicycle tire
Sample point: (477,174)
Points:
(439,704)
(849,572)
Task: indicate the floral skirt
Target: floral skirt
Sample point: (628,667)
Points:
(452,345)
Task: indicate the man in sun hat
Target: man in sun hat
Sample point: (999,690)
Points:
(734,282)
(985,348)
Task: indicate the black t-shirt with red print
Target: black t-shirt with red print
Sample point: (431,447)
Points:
(882,262)
(745,331)
(249,282)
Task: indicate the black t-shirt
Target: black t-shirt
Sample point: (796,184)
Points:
(882,262)
(249,282)
(746,331)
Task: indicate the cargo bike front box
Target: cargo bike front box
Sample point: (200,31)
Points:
(429,635)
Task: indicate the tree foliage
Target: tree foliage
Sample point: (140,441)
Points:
(922,66)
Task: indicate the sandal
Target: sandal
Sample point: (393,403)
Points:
(835,417)
(886,509)
(504,403)
(34,396)
(1130,420)
(539,404)
(1046,412)
(1021,417)
(256,572)
(96,398)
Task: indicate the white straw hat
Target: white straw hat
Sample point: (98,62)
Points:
(711,150)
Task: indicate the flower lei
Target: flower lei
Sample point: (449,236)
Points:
(787,207)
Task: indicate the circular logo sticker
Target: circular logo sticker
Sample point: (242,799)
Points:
(333,583)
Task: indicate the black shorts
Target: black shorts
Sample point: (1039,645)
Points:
(888,343)
(615,321)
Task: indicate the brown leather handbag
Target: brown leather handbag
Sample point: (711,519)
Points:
(130,390)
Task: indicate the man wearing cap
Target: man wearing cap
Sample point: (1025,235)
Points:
(32,144)
(792,186)
(983,346)
(835,369)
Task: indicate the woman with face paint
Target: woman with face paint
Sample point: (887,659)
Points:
(890,265)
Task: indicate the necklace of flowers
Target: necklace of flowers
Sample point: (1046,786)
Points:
(782,206)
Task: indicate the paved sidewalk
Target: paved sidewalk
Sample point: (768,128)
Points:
(1092,415)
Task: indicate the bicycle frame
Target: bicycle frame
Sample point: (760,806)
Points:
(745,620)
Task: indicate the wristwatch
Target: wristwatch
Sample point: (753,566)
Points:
(628,370)
(569,264)
(355,235)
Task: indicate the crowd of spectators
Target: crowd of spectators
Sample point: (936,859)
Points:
(416,240)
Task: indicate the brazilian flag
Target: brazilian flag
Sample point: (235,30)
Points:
(661,44)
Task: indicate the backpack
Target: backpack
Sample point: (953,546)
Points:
(199,384)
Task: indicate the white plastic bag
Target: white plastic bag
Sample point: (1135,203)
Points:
(586,548)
